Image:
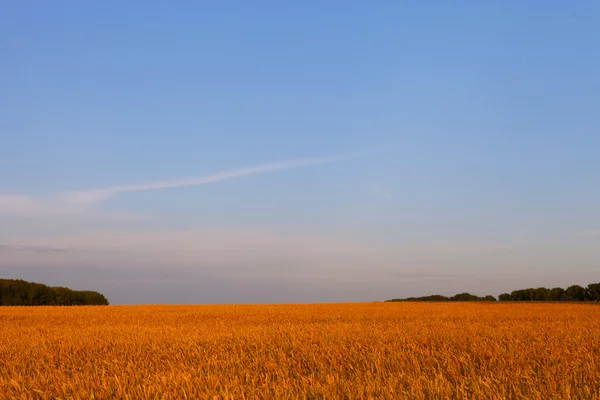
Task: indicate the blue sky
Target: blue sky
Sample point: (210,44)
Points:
(240,152)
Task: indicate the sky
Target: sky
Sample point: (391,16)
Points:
(269,152)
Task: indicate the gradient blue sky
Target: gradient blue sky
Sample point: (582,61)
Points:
(318,151)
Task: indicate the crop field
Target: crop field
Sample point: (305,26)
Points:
(336,351)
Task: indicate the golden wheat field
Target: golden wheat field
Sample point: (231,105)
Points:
(337,351)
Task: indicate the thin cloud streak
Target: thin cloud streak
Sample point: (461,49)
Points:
(80,203)
(98,195)
(30,207)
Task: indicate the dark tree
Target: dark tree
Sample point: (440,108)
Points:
(434,297)
(542,294)
(572,293)
(593,291)
(557,294)
(464,297)
(504,297)
(519,295)
(575,293)
(15,292)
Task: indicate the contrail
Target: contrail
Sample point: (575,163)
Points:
(97,195)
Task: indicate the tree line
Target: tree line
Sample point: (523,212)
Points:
(572,293)
(16,292)
(439,297)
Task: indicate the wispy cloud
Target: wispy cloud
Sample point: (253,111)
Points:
(34,249)
(242,254)
(29,206)
(98,195)
(78,202)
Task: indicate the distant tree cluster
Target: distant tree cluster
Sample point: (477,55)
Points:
(572,293)
(16,292)
(457,297)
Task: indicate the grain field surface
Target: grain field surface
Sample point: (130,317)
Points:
(334,351)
